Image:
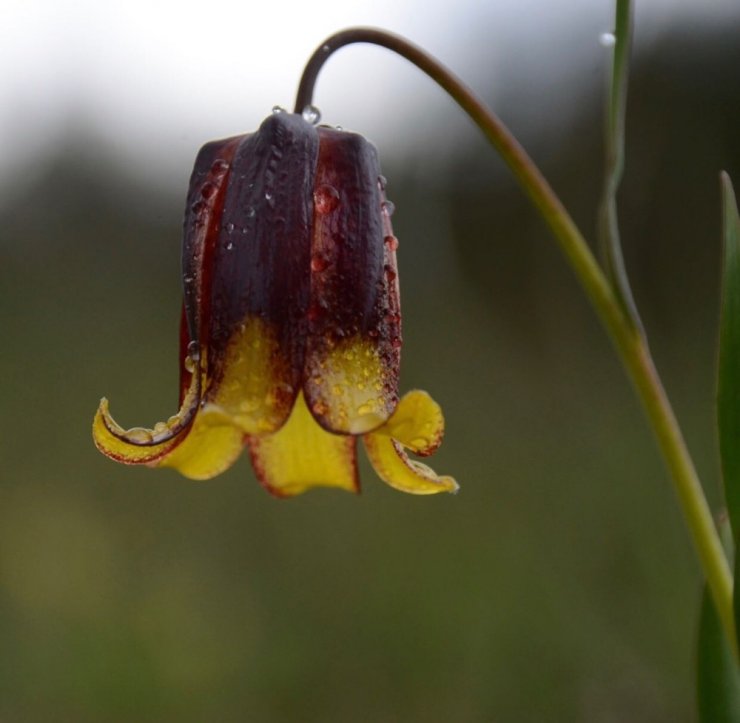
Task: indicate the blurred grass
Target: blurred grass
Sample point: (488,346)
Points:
(558,585)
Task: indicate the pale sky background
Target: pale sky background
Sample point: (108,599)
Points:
(155,79)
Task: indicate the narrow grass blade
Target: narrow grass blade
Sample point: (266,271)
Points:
(728,377)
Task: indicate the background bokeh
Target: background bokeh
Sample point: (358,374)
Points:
(559,584)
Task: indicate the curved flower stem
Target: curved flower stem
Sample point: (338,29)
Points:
(614,164)
(627,337)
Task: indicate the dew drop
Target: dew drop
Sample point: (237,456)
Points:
(326,199)
(250,212)
(208,191)
(607,40)
(193,357)
(198,207)
(319,263)
(396,342)
(229,246)
(219,167)
(382,181)
(229,228)
(391,242)
(139,434)
(159,427)
(387,207)
(390,272)
(268,196)
(326,48)
(276,109)
(311,114)
(339,128)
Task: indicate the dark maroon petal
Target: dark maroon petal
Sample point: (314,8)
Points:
(260,270)
(353,352)
(205,202)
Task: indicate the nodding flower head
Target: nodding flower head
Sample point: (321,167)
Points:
(291,327)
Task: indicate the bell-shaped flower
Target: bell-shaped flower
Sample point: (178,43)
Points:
(291,328)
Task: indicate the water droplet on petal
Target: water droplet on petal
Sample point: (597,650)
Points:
(229,246)
(139,434)
(388,207)
(229,228)
(319,263)
(219,167)
(194,349)
(325,198)
(391,242)
(278,109)
(339,128)
(607,40)
(268,196)
(249,211)
(208,191)
(382,181)
(311,114)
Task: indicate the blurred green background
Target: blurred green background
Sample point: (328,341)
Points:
(559,585)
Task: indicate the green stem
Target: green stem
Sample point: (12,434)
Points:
(627,337)
(614,164)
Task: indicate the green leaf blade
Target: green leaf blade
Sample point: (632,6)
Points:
(718,678)
(728,378)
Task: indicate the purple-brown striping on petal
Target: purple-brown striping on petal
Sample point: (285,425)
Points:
(354,319)
(261,273)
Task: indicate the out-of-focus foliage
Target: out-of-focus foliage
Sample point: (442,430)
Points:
(559,585)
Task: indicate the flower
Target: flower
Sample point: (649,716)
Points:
(291,328)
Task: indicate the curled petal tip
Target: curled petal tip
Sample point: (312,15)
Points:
(162,432)
(418,425)
(118,447)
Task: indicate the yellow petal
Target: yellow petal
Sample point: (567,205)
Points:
(209,449)
(201,451)
(417,424)
(346,385)
(252,386)
(302,455)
